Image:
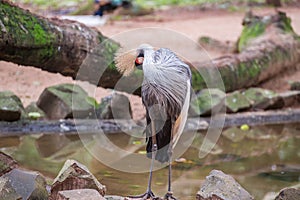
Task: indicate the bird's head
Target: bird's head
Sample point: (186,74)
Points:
(126,62)
(140,52)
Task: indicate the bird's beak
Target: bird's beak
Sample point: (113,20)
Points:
(139,61)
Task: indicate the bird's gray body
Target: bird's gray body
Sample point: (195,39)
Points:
(164,91)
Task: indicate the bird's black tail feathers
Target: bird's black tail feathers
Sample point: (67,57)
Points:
(163,138)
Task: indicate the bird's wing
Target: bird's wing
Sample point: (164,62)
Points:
(181,120)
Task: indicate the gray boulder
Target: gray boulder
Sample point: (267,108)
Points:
(219,186)
(116,106)
(7,163)
(236,101)
(295,85)
(80,194)
(11,107)
(207,102)
(28,185)
(73,176)
(262,99)
(7,192)
(65,101)
(288,194)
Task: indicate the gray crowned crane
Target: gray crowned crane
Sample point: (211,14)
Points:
(165,94)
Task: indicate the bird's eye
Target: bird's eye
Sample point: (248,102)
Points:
(139,60)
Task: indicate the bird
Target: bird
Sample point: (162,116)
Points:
(166,93)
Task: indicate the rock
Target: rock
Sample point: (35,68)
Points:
(295,85)
(236,101)
(114,197)
(116,106)
(234,134)
(262,99)
(7,164)
(73,176)
(81,194)
(289,194)
(219,186)
(28,185)
(206,102)
(65,101)
(11,107)
(34,112)
(7,192)
(290,98)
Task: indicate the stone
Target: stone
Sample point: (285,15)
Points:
(262,99)
(207,101)
(236,102)
(288,194)
(80,194)
(7,163)
(34,112)
(290,97)
(65,101)
(219,186)
(11,107)
(28,185)
(7,192)
(74,175)
(116,106)
(114,197)
(295,85)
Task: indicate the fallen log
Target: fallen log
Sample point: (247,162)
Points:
(53,45)
(267,46)
(71,127)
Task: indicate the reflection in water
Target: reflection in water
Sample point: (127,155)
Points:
(262,159)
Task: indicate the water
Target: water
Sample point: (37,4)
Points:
(263,159)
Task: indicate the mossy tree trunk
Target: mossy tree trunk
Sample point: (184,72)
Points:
(54,45)
(267,46)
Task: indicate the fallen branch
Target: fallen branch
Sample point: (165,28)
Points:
(71,127)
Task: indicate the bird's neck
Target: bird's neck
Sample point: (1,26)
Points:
(148,65)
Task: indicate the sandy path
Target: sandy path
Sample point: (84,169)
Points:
(28,82)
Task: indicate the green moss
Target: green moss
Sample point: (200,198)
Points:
(23,29)
(250,31)
(285,22)
(72,95)
(23,24)
(255,68)
(236,101)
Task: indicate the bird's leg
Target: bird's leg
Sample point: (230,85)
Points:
(149,194)
(169,194)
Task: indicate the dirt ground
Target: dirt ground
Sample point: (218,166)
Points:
(28,82)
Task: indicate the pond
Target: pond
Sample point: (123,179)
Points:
(262,159)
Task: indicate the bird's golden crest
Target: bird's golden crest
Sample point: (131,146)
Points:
(125,62)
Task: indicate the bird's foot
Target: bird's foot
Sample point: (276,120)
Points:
(145,196)
(169,196)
